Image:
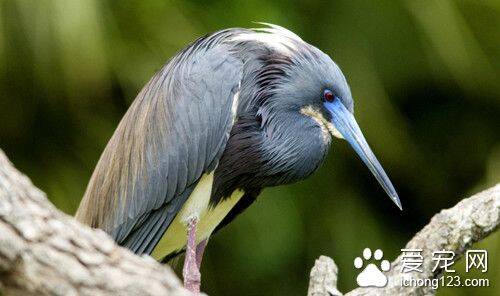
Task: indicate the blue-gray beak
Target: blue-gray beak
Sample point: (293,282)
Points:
(344,122)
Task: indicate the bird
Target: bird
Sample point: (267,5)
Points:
(234,112)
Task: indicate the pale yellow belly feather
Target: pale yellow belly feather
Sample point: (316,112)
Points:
(197,206)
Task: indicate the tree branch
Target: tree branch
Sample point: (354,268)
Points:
(45,252)
(455,229)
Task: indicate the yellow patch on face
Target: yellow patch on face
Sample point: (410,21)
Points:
(327,127)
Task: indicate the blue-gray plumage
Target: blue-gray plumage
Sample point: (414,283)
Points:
(233,113)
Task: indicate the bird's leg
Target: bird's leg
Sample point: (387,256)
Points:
(191,272)
(200,249)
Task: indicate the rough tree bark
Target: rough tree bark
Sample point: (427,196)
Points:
(455,229)
(45,252)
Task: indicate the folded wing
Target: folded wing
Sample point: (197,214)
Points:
(175,130)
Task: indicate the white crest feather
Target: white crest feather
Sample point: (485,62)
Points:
(274,36)
(275,29)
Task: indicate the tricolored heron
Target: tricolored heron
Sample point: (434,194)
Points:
(234,112)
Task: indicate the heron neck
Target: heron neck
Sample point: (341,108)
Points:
(297,145)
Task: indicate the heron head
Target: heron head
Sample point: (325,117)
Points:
(315,86)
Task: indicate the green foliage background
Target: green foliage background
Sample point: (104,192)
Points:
(424,75)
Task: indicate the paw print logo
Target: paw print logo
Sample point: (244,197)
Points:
(371,276)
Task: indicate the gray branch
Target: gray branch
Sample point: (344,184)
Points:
(455,229)
(45,252)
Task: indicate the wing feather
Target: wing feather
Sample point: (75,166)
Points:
(175,130)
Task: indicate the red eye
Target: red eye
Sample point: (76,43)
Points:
(328,95)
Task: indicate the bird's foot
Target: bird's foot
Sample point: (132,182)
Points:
(191,271)
(192,277)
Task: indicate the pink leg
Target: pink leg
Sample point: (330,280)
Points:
(191,272)
(200,249)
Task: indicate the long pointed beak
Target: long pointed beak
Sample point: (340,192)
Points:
(344,122)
